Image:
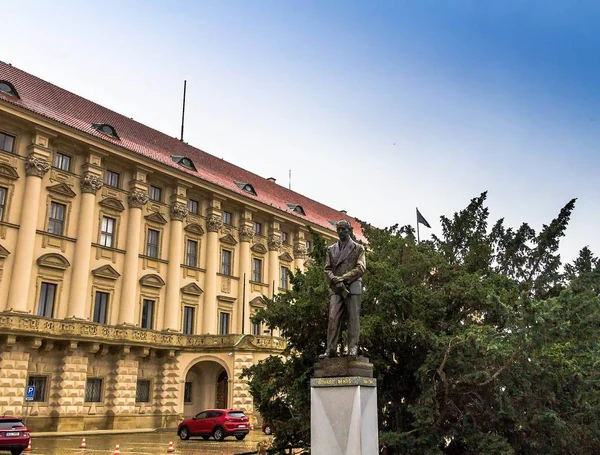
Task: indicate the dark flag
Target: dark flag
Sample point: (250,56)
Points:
(421,219)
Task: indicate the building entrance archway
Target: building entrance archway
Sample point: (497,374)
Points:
(206,387)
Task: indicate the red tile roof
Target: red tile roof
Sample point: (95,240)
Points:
(48,100)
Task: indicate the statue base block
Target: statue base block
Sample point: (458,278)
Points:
(344,416)
(343,367)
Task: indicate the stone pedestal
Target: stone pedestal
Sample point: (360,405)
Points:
(343,398)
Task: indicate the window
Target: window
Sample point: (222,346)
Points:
(255,328)
(187,392)
(142,391)
(47,299)
(284,237)
(257,270)
(188,320)
(191,253)
(246,187)
(39,382)
(223,323)
(227,217)
(284,277)
(6,142)
(8,89)
(112,178)
(93,390)
(152,243)
(56,220)
(193,206)
(308,245)
(184,161)
(226,262)
(257,228)
(62,162)
(107,231)
(105,129)
(147,313)
(155,193)
(3,193)
(296,208)
(100,307)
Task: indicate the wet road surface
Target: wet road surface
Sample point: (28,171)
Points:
(143,444)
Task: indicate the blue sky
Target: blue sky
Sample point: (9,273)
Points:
(375,106)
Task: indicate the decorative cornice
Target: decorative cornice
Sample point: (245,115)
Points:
(90,183)
(8,172)
(214,223)
(36,167)
(62,189)
(179,211)
(153,281)
(137,198)
(228,239)
(285,256)
(156,217)
(106,271)
(274,242)
(192,289)
(246,233)
(258,248)
(3,252)
(112,203)
(54,261)
(194,228)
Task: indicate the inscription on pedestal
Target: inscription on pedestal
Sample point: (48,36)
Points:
(343,382)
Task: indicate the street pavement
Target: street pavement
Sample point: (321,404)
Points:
(143,444)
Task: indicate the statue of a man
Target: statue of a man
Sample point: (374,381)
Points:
(344,268)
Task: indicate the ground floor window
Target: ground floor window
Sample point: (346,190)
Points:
(39,382)
(93,390)
(142,393)
(187,392)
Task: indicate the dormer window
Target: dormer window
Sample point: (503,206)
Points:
(8,89)
(106,129)
(297,208)
(184,161)
(246,187)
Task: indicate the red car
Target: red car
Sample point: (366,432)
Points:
(218,423)
(14,436)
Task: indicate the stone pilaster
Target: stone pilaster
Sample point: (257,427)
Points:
(213,225)
(91,182)
(241,397)
(70,388)
(167,385)
(274,245)
(300,251)
(138,197)
(122,385)
(246,230)
(14,362)
(172,305)
(36,167)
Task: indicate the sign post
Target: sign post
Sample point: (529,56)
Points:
(29,394)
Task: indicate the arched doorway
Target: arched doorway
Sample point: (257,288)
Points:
(206,387)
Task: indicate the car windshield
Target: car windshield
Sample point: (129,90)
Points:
(237,415)
(11,424)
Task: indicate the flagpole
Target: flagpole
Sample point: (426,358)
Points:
(418,236)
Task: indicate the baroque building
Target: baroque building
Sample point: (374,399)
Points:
(131,264)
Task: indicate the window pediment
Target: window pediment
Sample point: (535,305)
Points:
(226,299)
(258,302)
(3,252)
(153,281)
(8,172)
(53,261)
(156,217)
(63,189)
(259,248)
(286,257)
(194,228)
(192,289)
(106,271)
(112,203)
(228,239)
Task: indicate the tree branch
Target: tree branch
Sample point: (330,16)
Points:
(502,368)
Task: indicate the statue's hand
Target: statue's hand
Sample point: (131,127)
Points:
(337,279)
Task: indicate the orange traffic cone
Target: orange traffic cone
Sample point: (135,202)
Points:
(171,449)
(117,450)
(83,445)
(28,449)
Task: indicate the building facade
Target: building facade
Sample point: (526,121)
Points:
(130,265)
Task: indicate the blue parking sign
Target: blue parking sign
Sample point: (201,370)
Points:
(30,393)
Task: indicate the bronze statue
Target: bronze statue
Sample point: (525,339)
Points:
(344,268)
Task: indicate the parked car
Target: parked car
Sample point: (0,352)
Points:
(14,436)
(268,428)
(218,423)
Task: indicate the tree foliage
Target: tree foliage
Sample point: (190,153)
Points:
(482,341)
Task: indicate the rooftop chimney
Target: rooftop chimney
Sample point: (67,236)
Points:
(344,212)
(272,179)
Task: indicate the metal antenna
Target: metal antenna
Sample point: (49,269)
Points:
(290,184)
(183,112)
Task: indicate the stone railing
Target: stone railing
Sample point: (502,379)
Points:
(24,325)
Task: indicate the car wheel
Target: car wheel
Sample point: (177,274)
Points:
(16,451)
(205,438)
(268,430)
(240,437)
(219,434)
(184,433)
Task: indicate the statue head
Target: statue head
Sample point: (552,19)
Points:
(344,229)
